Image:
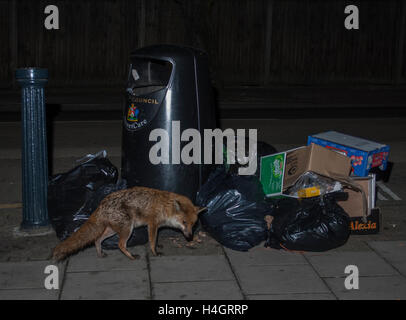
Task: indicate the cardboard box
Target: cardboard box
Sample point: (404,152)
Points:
(354,204)
(365,154)
(359,224)
(281,170)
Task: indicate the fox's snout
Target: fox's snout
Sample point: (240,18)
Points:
(188,232)
(187,216)
(188,235)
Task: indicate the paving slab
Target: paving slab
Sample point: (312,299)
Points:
(87,260)
(293,296)
(392,251)
(264,256)
(284,279)
(370,288)
(190,268)
(29,294)
(400,266)
(26,275)
(106,285)
(333,264)
(355,243)
(201,290)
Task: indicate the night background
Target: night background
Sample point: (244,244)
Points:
(295,53)
(287,69)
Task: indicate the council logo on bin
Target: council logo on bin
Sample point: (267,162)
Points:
(133,113)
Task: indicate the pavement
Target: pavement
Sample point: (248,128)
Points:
(205,270)
(258,274)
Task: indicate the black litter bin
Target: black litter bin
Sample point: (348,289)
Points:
(166,83)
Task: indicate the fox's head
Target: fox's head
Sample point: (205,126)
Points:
(185,215)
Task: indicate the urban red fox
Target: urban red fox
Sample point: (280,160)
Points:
(123,210)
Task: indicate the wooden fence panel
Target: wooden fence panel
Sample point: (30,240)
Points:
(249,42)
(6,46)
(311,45)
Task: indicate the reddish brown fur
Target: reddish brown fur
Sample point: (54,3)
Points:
(123,210)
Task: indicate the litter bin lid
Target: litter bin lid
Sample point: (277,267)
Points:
(167,52)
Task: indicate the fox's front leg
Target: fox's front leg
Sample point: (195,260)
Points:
(152,235)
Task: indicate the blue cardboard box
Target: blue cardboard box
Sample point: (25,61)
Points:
(364,154)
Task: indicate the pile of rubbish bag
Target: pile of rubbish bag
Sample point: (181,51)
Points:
(238,216)
(305,217)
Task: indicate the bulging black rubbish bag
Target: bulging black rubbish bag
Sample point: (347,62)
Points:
(235,210)
(311,224)
(74,195)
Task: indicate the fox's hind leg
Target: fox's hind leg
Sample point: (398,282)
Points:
(124,234)
(108,232)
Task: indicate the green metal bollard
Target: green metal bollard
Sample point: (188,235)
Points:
(34,148)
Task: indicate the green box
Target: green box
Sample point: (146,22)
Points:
(272,172)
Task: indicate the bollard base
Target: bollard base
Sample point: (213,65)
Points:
(19,232)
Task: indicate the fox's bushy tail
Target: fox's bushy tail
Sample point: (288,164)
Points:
(87,233)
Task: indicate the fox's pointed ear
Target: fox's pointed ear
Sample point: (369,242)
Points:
(177,205)
(201,209)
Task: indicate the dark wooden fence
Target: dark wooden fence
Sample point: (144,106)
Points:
(250,42)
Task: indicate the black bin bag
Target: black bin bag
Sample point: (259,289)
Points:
(74,195)
(235,210)
(311,224)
